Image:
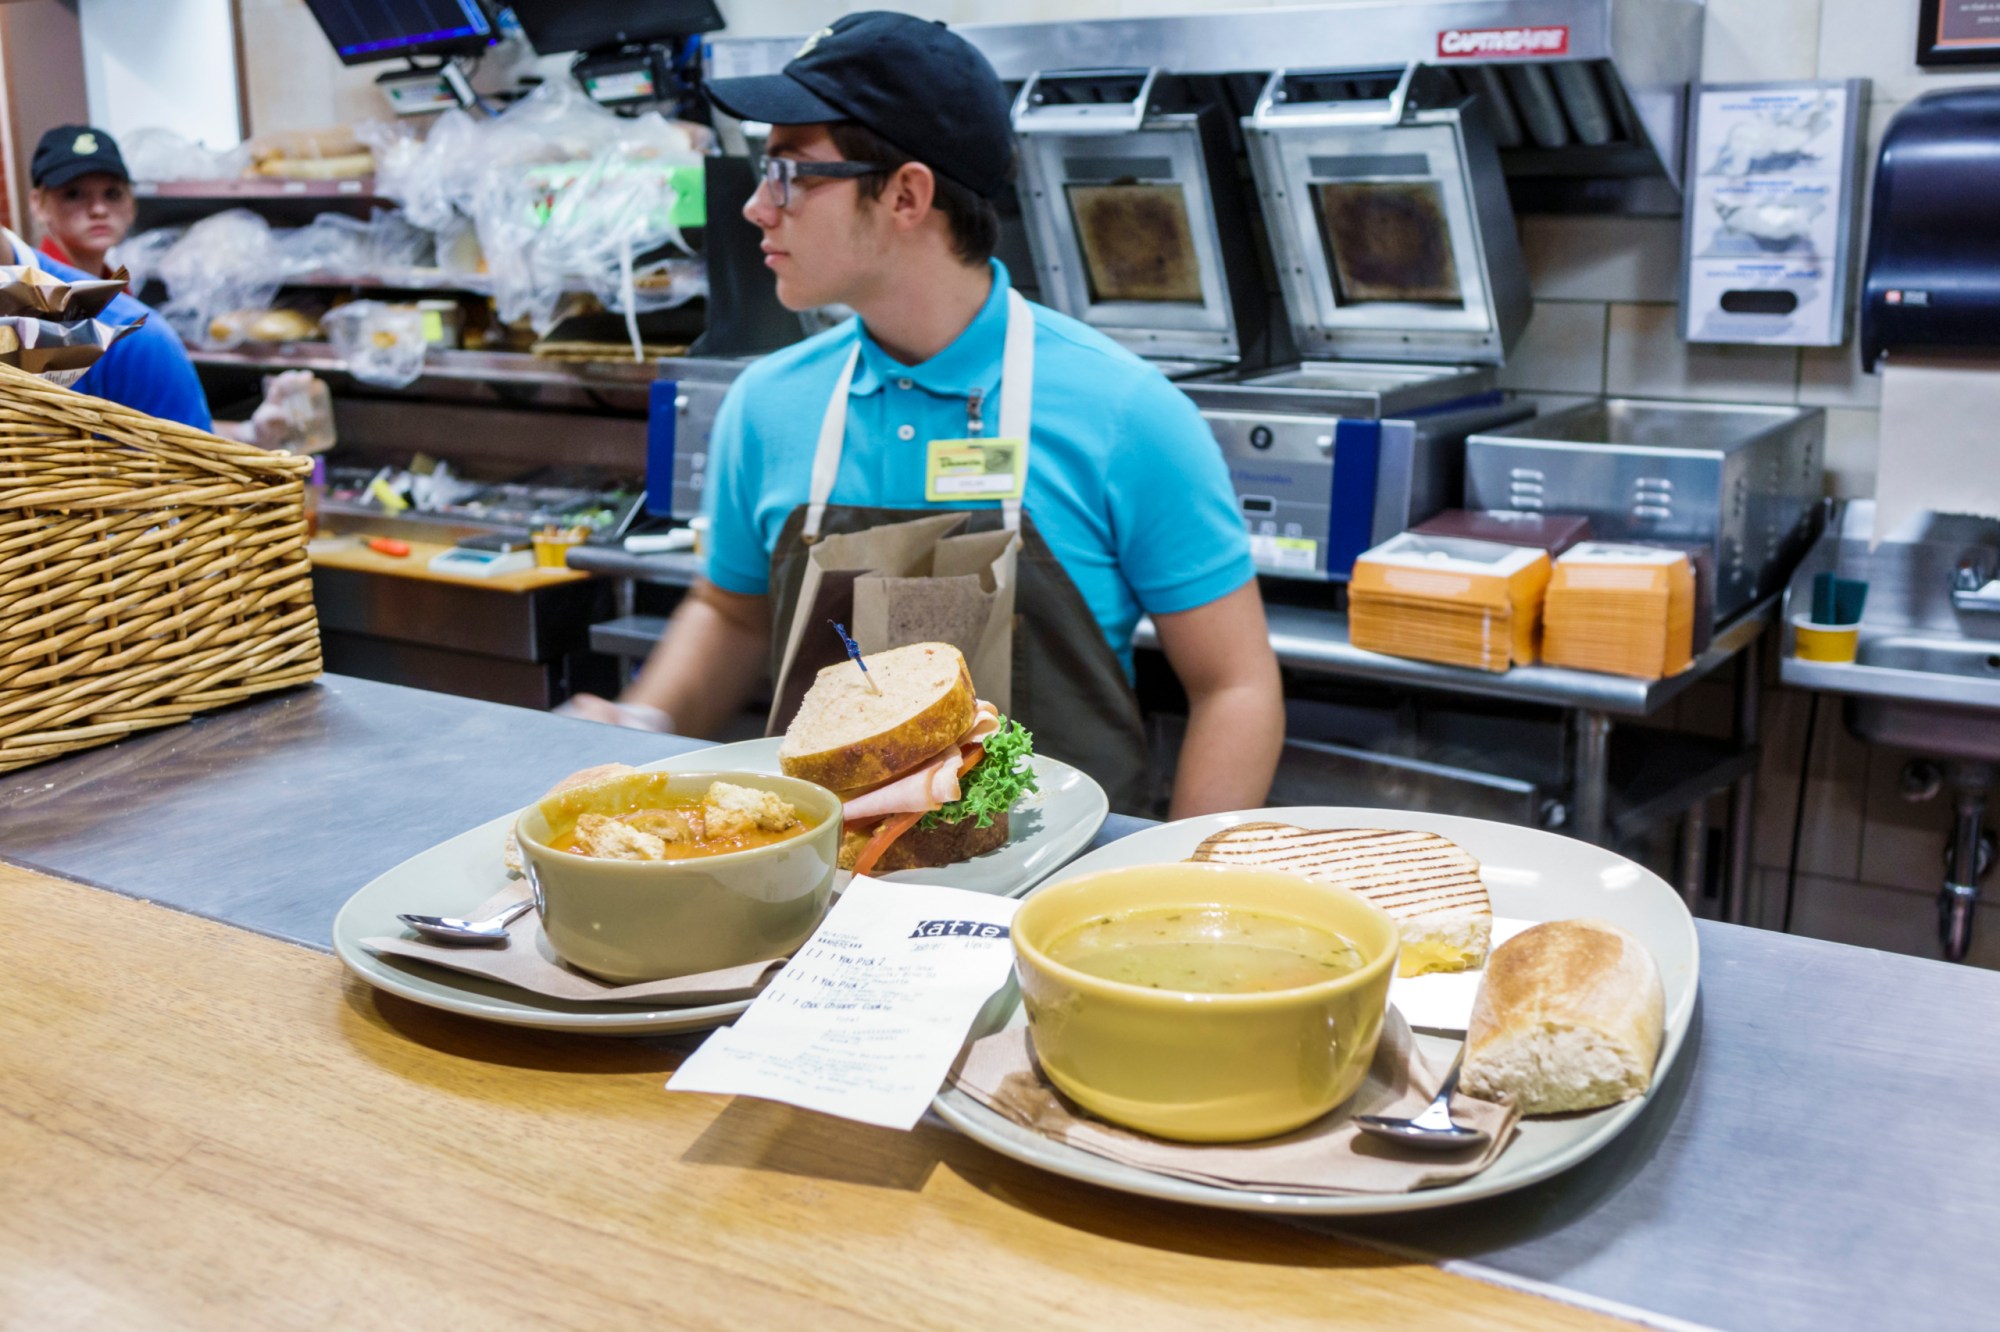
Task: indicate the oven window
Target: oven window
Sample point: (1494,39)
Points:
(1136,242)
(1387,241)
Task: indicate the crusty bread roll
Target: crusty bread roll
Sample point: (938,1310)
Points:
(1569,1017)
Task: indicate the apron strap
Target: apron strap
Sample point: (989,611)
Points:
(1017,393)
(1017,388)
(826,456)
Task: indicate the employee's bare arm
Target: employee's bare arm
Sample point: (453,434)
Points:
(712,656)
(1236,707)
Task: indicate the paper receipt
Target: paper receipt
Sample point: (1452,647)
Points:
(866,1018)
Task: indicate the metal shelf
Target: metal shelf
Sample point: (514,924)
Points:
(484,367)
(415,279)
(258,187)
(165,203)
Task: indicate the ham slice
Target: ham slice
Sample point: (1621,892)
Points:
(934,784)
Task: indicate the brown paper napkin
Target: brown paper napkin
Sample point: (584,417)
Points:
(527,962)
(1328,1156)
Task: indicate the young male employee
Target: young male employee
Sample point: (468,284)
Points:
(890,141)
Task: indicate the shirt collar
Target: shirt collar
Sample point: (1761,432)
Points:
(972,360)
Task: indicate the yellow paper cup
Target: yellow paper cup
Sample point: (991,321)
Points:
(1823,642)
(552,545)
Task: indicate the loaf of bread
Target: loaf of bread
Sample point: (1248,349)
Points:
(1569,1017)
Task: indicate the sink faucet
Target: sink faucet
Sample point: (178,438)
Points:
(1973,587)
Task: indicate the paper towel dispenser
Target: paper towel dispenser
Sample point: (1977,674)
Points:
(1933,269)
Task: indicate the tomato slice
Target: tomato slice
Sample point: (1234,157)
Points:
(886,833)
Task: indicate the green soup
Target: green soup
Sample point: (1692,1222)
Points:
(1206,950)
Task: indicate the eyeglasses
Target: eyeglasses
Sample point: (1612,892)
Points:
(780,172)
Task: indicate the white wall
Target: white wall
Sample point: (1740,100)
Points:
(162,63)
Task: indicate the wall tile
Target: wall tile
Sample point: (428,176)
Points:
(1832,377)
(1647,358)
(1902,845)
(1851,450)
(1854,913)
(1562,350)
(1873,917)
(1830,840)
(1877,40)
(1603,258)
(1750,40)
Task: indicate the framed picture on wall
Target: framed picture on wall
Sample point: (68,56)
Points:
(1958,32)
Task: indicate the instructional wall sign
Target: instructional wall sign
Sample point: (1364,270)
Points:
(1771,206)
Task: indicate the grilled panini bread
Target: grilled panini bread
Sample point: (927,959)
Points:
(1427,882)
(1569,1017)
(848,736)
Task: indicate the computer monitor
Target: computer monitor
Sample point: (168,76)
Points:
(592,25)
(366,30)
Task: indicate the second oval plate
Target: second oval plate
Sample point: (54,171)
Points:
(1530,875)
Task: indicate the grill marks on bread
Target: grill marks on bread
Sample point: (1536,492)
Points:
(1408,874)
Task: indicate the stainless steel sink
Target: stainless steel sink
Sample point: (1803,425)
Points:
(1926,670)
(1944,656)
(1921,719)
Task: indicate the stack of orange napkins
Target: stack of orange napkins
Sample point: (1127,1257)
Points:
(1624,610)
(1449,600)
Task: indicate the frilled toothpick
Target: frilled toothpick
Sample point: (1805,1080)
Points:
(854,651)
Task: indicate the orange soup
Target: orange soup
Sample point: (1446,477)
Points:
(726,818)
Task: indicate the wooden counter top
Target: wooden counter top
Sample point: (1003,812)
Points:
(202,1127)
(352,552)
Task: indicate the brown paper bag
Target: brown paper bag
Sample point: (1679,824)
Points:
(919,581)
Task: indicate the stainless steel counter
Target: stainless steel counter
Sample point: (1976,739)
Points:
(1314,640)
(1809,1164)
(1308,638)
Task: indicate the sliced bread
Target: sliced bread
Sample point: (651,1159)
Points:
(928,848)
(848,735)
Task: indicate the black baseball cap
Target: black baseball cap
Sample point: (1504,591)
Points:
(69,151)
(915,83)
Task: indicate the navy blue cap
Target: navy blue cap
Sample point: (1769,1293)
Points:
(69,151)
(913,82)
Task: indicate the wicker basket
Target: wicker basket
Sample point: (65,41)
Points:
(148,571)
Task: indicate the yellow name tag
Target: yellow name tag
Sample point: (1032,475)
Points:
(976,469)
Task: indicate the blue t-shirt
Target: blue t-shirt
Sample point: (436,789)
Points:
(1125,481)
(149,370)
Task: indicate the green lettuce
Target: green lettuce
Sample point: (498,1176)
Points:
(1003,776)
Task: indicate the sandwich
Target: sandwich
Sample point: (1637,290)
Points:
(1570,1016)
(1428,883)
(926,770)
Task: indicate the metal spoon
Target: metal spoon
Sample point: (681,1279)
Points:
(451,929)
(1434,1127)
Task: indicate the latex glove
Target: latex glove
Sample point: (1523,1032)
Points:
(632,716)
(283,417)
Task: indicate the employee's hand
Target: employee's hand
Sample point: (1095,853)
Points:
(634,716)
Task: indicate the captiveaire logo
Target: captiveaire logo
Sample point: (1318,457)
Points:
(1468,43)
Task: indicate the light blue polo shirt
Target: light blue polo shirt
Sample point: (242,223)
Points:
(1125,480)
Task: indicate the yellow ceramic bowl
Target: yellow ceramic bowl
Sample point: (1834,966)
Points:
(641,920)
(1824,642)
(1203,1067)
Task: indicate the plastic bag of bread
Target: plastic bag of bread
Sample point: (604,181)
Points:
(1569,1017)
(333,153)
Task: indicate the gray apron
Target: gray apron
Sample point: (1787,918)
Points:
(1068,688)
